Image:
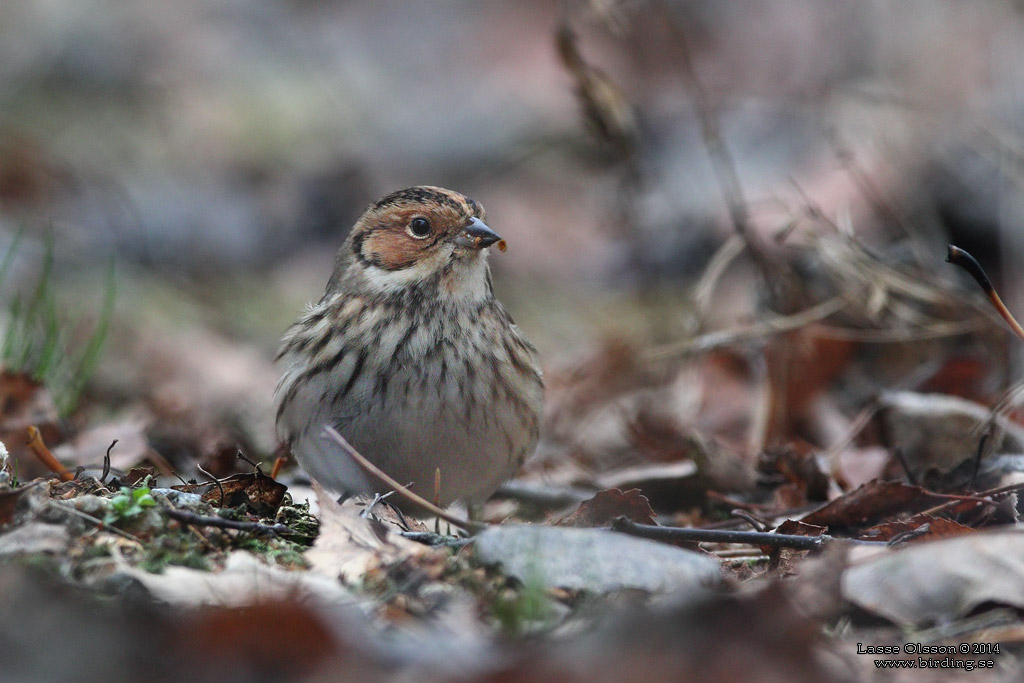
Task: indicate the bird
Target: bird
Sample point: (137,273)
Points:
(411,357)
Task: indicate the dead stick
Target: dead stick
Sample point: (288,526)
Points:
(980,497)
(221,523)
(403,491)
(748,333)
(668,533)
(106,462)
(959,257)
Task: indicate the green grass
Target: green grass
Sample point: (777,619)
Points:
(36,338)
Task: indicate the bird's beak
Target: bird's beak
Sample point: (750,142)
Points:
(477,235)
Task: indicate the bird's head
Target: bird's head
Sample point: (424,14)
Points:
(416,235)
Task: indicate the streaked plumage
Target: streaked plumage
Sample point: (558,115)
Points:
(411,358)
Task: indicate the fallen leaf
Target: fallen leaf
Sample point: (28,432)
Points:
(743,637)
(9,502)
(245,580)
(939,581)
(936,433)
(255,489)
(916,528)
(350,545)
(783,561)
(26,403)
(605,506)
(278,638)
(871,503)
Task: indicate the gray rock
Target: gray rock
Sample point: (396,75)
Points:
(595,560)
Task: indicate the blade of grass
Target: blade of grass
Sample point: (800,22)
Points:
(89,359)
(11,334)
(5,266)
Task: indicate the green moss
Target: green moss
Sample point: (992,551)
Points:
(175,547)
(279,550)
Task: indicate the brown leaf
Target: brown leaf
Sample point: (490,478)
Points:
(871,503)
(783,560)
(137,474)
(283,636)
(607,505)
(255,489)
(806,365)
(9,503)
(799,469)
(798,528)
(25,403)
(916,528)
(669,486)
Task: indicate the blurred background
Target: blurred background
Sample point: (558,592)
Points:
(213,153)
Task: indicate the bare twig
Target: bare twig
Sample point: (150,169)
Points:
(239,455)
(759,538)
(952,328)
(959,257)
(106,462)
(983,497)
(725,167)
(713,272)
(434,539)
(882,207)
(221,523)
(216,481)
(737,335)
(750,519)
(980,453)
(403,491)
(377,499)
(100,524)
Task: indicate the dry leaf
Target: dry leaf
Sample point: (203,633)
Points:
(605,506)
(937,433)
(245,580)
(871,503)
(350,545)
(940,581)
(255,489)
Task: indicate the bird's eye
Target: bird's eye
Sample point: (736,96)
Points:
(419,227)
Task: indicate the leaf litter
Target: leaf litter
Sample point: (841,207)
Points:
(899,467)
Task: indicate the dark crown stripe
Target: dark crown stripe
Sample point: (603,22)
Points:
(417,195)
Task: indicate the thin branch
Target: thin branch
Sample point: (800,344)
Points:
(952,328)
(100,524)
(721,160)
(772,326)
(759,538)
(713,272)
(959,257)
(980,497)
(106,462)
(403,491)
(221,523)
(216,481)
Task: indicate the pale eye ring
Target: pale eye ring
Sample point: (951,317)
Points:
(419,227)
